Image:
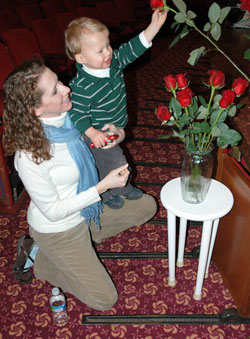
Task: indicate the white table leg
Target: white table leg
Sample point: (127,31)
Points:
(181,244)
(214,232)
(171,248)
(205,241)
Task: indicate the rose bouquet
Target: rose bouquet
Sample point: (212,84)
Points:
(197,122)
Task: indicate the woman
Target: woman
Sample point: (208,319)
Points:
(56,167)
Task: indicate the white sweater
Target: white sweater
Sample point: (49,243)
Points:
(52,186)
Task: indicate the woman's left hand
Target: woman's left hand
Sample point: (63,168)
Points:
(112,129)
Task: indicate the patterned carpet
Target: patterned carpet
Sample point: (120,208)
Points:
(141,282)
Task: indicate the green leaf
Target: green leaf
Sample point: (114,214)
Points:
(177,134)
(247,36)
(193,108)
(175,108)
(232,137)
(202,113)
(238,106)
(191,15)
(180,17)
(176,39)
(223,14)
(174,24)
(232,111)
(202,101)
(195,55)
(205,127)
(196,128)
(165,136)
(217,98)
(216,132)
(184,32)
(222,127)
(169,123)
(207,26)
(247,54)
(214,115)
(216,31)
(214,13)
(190,23)
(180,5)
(184,120)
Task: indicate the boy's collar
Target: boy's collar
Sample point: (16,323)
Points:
(100,73)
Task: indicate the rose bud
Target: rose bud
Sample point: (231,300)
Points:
(239,86)
(182,81)
(162,113)
(245,5)
(229,95)
(216,78)
(224,103)
(170,82)
(185,97)
(156,4)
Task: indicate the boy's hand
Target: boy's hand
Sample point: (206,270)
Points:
(99,138)
(158,19)
(112,129)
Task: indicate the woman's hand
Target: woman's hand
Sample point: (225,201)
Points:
(116,178)
(112,129)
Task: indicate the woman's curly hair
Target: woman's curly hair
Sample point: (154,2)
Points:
(22,128)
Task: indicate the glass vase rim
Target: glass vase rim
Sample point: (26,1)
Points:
(209,150)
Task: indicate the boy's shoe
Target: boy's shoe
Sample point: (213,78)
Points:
(24,247)
(115,202)
(133,194)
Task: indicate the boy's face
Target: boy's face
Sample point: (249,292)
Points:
(96,52)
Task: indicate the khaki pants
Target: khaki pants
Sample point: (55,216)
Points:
(68,259)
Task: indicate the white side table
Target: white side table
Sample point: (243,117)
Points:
(218,203)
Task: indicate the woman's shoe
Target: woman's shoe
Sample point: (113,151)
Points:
(22,273)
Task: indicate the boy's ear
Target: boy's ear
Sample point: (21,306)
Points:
(79,58)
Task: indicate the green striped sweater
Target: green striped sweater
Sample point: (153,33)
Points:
(99,101)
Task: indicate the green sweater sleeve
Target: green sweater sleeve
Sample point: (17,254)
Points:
(129,52)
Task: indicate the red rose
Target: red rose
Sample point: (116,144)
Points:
(245,5)
(239,86)
(227,98)
(229,95)
(170,82)
(163,113)
(216,78)
(156,4)
(223,103)
(182,81)
(185,97)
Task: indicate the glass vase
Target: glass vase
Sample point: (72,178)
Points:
(196,172)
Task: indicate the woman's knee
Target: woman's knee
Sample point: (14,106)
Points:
(102,301)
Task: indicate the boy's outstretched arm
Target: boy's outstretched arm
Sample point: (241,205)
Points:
(158,19)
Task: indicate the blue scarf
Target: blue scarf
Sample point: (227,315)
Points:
(83,159)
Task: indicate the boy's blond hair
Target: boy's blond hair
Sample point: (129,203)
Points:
(75,32)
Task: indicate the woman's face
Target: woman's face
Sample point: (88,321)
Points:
(55,99)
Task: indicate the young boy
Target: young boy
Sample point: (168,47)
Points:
(98,92)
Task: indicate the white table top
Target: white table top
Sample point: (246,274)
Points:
(217,203)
